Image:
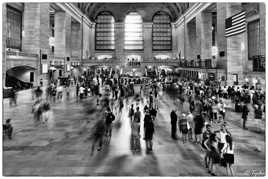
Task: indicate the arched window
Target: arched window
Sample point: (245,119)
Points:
(133,32)
(162,36)
(14,28)
(104,34)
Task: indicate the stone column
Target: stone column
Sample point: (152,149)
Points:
(221,41)
(262,28)
(204,34)
(191,40)
(92,40)
(174,40)
(76,39)
(147,37)
(234,48)
(62,34)
(119,40)
(36,28)
(4,28)
(86,40)
(35,38)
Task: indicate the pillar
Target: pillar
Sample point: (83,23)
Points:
(62,34)
(174,40)
(235,48)
(92,40)
(204,34)
(147,37)
(36,28)
(191,40)
(86,41)
(76,39)
(35,37)
(262,28)
(4,28)
(221,41)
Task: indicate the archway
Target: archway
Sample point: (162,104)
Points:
(20,77)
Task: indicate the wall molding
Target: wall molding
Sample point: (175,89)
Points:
(76,13)
(191,13)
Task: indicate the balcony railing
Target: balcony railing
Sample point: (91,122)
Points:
(55,57)
(258,63)
(205,64)
(21,54)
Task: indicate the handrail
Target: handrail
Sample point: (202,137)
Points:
(21,54)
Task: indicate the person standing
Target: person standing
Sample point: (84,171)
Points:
(190,121)
(185,106)
(183,127)
(13,98)
(38,92)
(228,154)
(8,129)
(149,131)
(77,90)
(151,99)
(131,112)
(135,132)
(205,137)
(198,127)
(244,114)
(81,92)
(109,118)
(98,134)
(222,107)
(215,110)
(173,117)
(137,114)
(211,145)
(153,112)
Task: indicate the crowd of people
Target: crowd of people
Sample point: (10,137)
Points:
(199,109)
(111,105)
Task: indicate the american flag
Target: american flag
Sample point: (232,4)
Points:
(236,24)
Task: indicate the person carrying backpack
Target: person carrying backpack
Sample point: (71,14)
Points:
(109,118)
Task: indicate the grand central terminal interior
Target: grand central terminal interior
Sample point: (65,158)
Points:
(133,89)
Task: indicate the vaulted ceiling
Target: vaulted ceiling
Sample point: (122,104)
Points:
(147,10)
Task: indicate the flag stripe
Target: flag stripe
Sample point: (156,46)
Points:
(240,21)
(235,33)
(231,31)
(235,24)
(237,19)
(233,27)
(239,14)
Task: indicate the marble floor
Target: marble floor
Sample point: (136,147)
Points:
(64,150)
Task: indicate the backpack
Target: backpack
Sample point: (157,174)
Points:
(110,118)
(183,124)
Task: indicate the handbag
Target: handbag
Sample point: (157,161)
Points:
(222,161)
